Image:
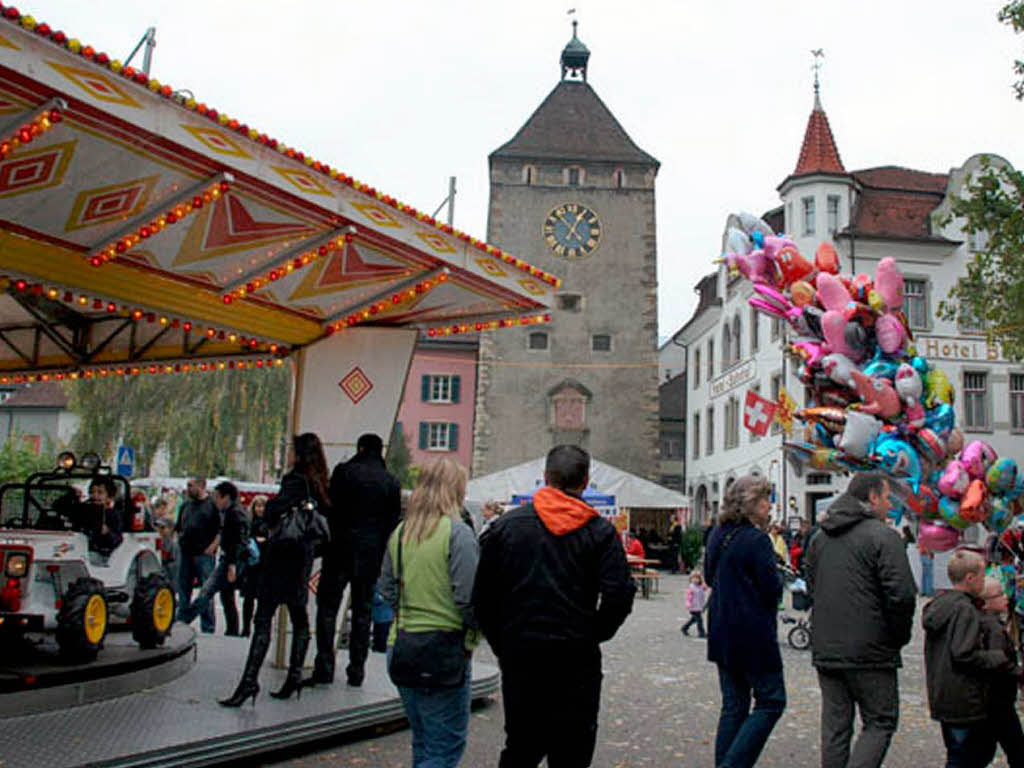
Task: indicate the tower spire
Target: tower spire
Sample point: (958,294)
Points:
(818,54)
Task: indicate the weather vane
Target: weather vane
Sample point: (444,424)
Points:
(818,54)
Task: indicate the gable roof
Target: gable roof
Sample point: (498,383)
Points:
(43,394)
(572,123)
(629,490)
(896,202)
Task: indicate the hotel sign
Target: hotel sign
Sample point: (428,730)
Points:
(735,377)
(974,349)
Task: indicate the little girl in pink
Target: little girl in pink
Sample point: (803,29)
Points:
(696,598)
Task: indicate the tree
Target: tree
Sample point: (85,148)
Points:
(18,460)
(399,459)
(1013,14)
(992,295)
(205,419)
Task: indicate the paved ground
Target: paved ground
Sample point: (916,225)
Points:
(660,706)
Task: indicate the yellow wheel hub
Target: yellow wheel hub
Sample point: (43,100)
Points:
(95,619)
(163,610)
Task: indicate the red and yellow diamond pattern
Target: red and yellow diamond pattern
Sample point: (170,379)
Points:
(356,385)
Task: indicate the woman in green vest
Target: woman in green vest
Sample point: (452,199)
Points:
(427,577)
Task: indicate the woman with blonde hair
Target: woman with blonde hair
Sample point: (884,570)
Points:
(427,577)
(743,639)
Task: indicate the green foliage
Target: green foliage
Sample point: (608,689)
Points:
(1013,14)
(690,545)
(399,459)
(204,419)
(18,460)
(992,295)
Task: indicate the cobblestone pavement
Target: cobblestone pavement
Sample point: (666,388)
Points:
(660,705)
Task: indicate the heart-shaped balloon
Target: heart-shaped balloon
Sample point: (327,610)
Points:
(937,536)
(930,445)
(974,504)
(977,456)
(890,334)
(954,480)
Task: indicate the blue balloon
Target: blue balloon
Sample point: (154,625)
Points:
(920,365)
(824,436)
(757,238)
(898,458)
(882,366)
(941,420)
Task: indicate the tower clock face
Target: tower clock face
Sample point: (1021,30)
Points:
(572,231)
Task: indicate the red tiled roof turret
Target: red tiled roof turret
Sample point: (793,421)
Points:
(818,153)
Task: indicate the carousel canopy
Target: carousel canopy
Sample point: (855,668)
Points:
(141,227)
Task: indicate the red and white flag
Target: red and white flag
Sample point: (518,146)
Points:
(758,413)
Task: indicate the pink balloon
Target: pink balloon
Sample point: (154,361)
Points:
(832,294)
(977,457)
(954,480)
(936,536)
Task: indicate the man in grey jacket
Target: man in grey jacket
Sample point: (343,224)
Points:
(864,599)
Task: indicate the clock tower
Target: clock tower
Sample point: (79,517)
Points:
(572,193)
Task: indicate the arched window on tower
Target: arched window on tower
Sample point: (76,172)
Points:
(620,178)
(574,176)
(529,175)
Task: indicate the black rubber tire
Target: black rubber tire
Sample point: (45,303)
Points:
(72,640)
(799,638)
(143,616)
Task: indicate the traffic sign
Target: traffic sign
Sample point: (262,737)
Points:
(125,460)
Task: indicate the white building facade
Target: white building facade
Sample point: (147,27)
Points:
(867,215)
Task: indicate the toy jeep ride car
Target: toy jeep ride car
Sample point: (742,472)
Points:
(55,582)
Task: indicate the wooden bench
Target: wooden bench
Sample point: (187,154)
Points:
(648,581)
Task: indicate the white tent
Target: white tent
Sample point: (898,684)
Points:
(629,490)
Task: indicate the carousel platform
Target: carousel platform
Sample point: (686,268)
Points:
(179,723)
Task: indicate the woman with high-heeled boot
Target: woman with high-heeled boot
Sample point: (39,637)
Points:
(285,573)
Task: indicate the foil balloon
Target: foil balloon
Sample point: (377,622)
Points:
(949,510)
(925,503)
(823,436)
(833,328)
(898,457)
(810,351)
(752,224)
(941,420)
(937,537)
(1001,477)
(974,504)
(878,396)
(861,287)
(954,480)
(826,259)
(737,241)
(857,340)
(788,260)
(910,387)
(930,445)
(937,389)
(999,515)
(839,368)
(882,367)
(802,293)
(860,431)
(955,442)
(832,294)
(889,283)
(890,334)
(920,365)
(977,456)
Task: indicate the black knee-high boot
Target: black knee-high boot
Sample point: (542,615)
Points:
(293,683)
(249,684)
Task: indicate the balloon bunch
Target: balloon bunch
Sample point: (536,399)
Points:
(877,404)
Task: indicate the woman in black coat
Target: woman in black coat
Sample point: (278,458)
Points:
(285,573)
(260,533)
(746,587)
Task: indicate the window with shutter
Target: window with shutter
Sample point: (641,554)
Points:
(453,437)
(456,388)
(425,389)
(424,435)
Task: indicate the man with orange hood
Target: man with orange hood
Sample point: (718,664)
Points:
(551,586)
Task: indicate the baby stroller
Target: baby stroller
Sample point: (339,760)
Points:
(799,637)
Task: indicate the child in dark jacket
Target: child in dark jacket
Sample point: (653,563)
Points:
(1003,693)
(958,667)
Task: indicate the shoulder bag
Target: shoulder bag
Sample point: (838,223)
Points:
(303,523)
(432,659)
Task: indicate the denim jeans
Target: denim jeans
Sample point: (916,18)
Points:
(439,719)
(927,575)
(217,582)
(969,746)
(742,733)
(194,568)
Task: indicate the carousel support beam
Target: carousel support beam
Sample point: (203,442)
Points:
(131,226)
(305,246)
(106,342)
(52,334)
(385,294)
(149,344)
(14,348)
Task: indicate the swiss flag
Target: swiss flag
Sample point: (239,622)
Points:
(758,413)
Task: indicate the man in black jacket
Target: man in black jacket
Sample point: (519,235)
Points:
(366,502)
(552,584)
(198,532)
(864,599)
(234,530)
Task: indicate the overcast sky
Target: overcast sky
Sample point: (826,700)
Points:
(403,95)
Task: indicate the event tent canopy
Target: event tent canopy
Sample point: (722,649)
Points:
(630,491)
(140,226)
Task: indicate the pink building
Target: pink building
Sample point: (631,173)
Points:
(436,415)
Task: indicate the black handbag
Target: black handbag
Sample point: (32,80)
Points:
(433,659)
(302,524)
